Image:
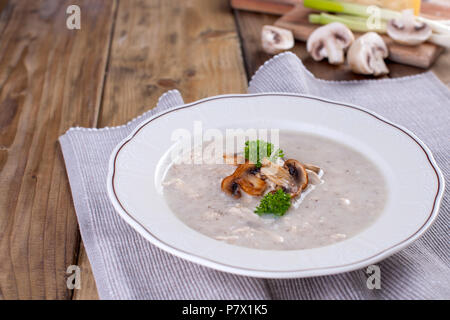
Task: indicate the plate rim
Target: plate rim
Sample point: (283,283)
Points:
(318,271)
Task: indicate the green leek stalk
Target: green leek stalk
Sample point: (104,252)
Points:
(357,24)
(349,8)
(355,17)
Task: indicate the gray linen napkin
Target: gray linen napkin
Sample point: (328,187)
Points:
(126,266)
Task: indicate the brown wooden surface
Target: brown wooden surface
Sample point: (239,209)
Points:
(126,54)
(264,6)
(51,78)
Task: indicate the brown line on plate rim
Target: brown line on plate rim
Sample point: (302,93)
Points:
(285,95)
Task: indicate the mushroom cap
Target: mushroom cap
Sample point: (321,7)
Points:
(366,55)
(245,178)
(407,30)
(231,187)
(330,41)
(275,39)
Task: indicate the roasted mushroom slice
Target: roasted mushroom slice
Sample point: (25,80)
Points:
(274,39)
(298,172)
(252,185)
(330,41)
(245,177)
(231,187)
(407,30)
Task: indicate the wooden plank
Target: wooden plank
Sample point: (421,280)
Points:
(265,6)
(160,45)
(441,68)
(3,4)
(51,78)
(250,25)
(192,46)
(435,9)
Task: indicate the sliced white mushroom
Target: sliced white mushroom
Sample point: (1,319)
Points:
(275,40)
(408,30)
(366,55)
(442,40)
(330,41)
(312,167)
(314,178)
(291,177)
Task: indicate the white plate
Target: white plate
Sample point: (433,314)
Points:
(415,183)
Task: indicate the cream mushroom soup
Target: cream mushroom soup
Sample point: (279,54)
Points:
(345,198)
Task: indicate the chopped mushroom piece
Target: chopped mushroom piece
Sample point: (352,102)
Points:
(312,168)
(292,177)
(245,177)
(234,159)
(276,174)
(366,55)
(314,178)
(330,41)
(298,172)
(274,39)
(407,30)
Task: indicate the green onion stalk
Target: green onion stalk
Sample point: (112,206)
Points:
(349,8)
(354,23)
(356,17)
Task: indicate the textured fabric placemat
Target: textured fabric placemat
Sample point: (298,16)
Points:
(126,266)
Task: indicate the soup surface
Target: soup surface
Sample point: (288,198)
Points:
(350,198)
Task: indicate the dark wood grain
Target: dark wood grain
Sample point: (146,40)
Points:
(161,45)
(3,4)
(50,79)
(274,7)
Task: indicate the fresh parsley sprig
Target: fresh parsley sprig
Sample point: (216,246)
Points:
(257,150)
(276,203)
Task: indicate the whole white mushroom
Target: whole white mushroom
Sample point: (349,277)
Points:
(407,30)
(275,40)
(330,41)
(366,55)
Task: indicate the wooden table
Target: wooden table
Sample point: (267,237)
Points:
(125,56)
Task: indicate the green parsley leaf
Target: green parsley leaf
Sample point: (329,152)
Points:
(257,150)
(276,203)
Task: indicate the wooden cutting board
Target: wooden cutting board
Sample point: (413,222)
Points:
(295,18)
